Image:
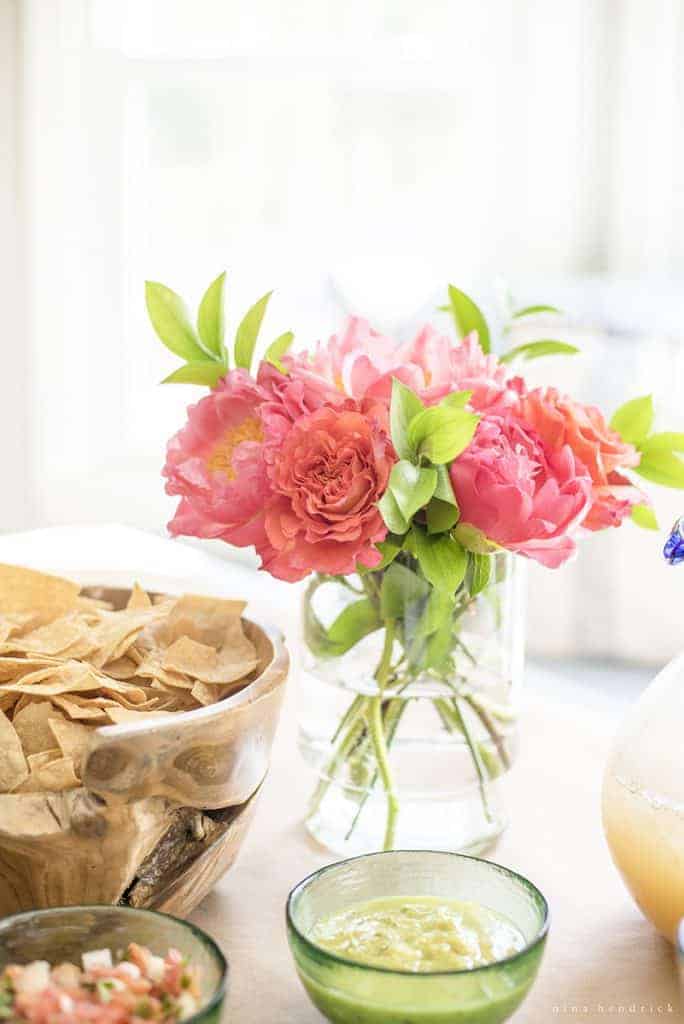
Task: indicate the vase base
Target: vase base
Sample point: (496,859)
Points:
(457,824)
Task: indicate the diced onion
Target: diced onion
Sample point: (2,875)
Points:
(66,1003)
(187,1005)
(156,968)
(34,978)
(97,958)
(129,969)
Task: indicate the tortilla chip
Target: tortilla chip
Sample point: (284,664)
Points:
(36,593)
(12,668)
(149,704)
(13,766)
(152,668)
(208,665)
(71,677)
(203,694)
(36,761)
(31,726)
(117,632)
(122,715)
(90,606)
(72,739)
(54,638)
(175,700)
(80,709)
(122,668)
(69,664)
(138,599)
(8,701)
(204,619)
(123,692)
(16,625)
(134,654)
(51,777)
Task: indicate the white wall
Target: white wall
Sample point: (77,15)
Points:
(354,156)
(16,492)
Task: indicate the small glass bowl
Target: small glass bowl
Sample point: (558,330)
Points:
(62,934)
(348,992)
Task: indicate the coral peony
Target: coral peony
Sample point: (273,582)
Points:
(519,494)
(561,421)
(287,398)
(330,471)
(216,464)
(361,363)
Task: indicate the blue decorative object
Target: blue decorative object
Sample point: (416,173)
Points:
(674,545)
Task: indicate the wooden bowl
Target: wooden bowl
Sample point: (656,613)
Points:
(163,809)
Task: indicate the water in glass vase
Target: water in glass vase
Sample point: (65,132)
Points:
(408,705)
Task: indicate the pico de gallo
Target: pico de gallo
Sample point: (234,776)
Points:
(140,988)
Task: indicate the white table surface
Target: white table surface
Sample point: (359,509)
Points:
(603,960)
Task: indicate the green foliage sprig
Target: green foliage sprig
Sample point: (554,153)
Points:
(660,463)
(419,507)
(203,348)
(467,317)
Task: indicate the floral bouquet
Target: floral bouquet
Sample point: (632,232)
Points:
(405,481)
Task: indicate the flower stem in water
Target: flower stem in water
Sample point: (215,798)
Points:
(380,748)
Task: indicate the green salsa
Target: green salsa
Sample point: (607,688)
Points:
(419,935)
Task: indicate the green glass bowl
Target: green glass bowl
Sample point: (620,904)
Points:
(347,992)
(63,933)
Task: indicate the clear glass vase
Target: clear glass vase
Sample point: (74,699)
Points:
(408,705)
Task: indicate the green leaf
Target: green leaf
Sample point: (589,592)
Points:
(536,349)
(248,332)
(634,419)
(412,487)
(468,317)
(666,441)
(204,372)
(456,400)
(432,640)
(391,513)
(644,516)
(661,467)
(167,313)
(210,319)
(440,433)
(277,349)
(444,491)
(532,310)
(404,406)
(438,649)
(315,635)
(439,607)
(479,572)
(474,540)
(441,516)
(389,548)
(401,588)
(442,559)
(351,625)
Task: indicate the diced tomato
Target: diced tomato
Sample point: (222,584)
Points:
(142,988)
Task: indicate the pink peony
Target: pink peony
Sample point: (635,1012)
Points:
(216,464)
(330,471)
(519,494)
(361,363)
(447,367)
(560,421)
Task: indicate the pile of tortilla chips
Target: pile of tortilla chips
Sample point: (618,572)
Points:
(70,663)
